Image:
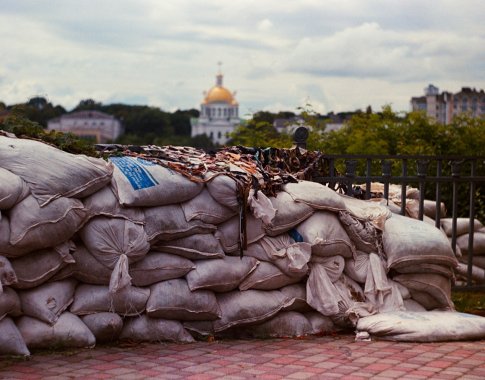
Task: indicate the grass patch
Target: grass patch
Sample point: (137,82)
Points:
(469,302)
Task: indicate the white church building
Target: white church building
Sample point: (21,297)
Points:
(219,114)
(96,125)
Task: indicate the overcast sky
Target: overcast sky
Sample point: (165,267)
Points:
(277,54)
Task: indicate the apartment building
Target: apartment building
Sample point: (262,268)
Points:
(445,105)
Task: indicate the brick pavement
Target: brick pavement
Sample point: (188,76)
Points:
(310,358)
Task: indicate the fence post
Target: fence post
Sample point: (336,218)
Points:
(386,174)
(350,167)
(455,173)
(422,172)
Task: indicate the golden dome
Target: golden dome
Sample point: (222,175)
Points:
(219,94)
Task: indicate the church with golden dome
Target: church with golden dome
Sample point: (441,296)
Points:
(219,114)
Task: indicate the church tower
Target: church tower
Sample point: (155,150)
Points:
(219,113)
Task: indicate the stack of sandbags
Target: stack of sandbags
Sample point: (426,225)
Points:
(463,232)
(41,189)
(95,251)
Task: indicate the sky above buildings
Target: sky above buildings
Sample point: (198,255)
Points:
(276,54)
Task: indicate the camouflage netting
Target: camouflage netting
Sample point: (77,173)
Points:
(174,244)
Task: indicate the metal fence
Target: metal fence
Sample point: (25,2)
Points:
(457,182)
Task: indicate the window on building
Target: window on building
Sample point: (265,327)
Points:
(211,135)
(219,134)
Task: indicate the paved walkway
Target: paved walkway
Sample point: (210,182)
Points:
(315,358)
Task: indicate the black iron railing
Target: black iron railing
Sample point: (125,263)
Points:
(458,182)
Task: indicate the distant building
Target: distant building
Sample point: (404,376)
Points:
(288,125)
(101,127)
(332,123)
(443,107)
(219,114)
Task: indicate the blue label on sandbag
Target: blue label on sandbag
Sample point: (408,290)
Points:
(295,235)
(134,172)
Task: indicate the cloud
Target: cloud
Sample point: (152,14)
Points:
(369,51)
(338,53)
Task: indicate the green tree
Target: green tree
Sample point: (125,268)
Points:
(259,134)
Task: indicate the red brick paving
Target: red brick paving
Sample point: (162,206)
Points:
(338,357)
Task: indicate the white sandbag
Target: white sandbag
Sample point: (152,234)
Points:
(267,276)
(201,330)
(205,208)
(462,226)
(289,214)
(291,258)
(430,326)
(192,247)
(228,233)
(146,329)
(321,293)
(357,267)
(9,303)
(334,265)
(412,305)
(352,302)
(129,301)
(367,210)
(478,243)
(326,234)
(48,301)
(11,341)
(169,223)
(240,308)
(224,189)
(12,189)
(261,206)
(478,261)
(295,255)
(173,299)
(90,299)
(363,234)
(296,294)
(52,173)
(315,194)
(410,242)
(7,273)
(433,291)
(285,324)
(33,228)
(106,327)
(104,202)
(159,266)
(37,267)
(115,242)
(138,182)
(443,270)
(109,238)
(321,325)
(87,269)
(477,275)
(429,209)
(7,249)
(220,275)
(68,332)
(378,289)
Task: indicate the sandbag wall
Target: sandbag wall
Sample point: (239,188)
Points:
(463,231)
(94,251)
